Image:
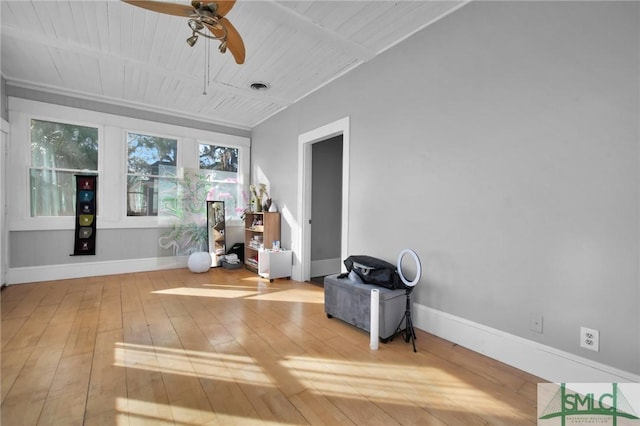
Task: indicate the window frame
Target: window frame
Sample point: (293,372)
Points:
(22,178)
(147,221)
(61,169)
(112,168)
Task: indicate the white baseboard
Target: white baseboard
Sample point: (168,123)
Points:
(324,267)
(90,269)
(540,360)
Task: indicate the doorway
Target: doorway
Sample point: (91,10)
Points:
(302,234)
(326,208)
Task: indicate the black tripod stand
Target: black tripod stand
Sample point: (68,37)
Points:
(409,332)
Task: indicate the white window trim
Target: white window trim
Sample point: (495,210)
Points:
(20,169)
(112,168)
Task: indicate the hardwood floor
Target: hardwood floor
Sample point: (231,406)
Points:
(225,348)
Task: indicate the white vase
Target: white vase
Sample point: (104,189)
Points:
(273,208)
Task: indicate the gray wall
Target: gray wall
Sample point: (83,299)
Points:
(41,248)
(503,141)
(38,248)
(326,200)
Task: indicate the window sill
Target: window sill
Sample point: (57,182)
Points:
(68,223)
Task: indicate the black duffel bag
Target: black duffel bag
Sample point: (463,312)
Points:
(374,271)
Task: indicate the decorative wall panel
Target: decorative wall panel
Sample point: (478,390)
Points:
(85,237)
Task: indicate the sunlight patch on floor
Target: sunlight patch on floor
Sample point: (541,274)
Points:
(233,286)
(222,293)
(383,383)
(261,291)
(292,295)
(135,411)
(346,379)
(258,279)
(205,365)
(394,384)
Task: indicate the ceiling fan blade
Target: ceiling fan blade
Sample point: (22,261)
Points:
(224,6)
(234,41)
(164,7)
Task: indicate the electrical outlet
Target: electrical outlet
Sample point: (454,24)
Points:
(535,323)
(590,339)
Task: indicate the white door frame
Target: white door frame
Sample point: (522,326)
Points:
(4,231)
(302,248)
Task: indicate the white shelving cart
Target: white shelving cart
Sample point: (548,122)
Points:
(274,264)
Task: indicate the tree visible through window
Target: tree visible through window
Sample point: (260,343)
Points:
(219,158)
(151,172)
(220,163)
(58,152)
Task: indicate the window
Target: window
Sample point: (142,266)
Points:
(58,152)
(52,143)
(220,164)
(151,173)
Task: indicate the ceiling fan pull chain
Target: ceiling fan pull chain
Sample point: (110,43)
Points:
(208,62)
(206,67)
(204,83)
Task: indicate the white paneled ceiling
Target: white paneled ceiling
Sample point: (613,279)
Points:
(110,51)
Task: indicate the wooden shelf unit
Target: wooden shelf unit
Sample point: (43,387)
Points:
(269,229)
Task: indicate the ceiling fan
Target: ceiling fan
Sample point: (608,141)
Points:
(206,19)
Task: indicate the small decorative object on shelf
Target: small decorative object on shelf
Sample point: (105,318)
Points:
(260,200)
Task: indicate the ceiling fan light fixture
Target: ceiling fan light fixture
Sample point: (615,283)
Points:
(210,21)
(192,40)
(206,18)
(259,86)
(196,25)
